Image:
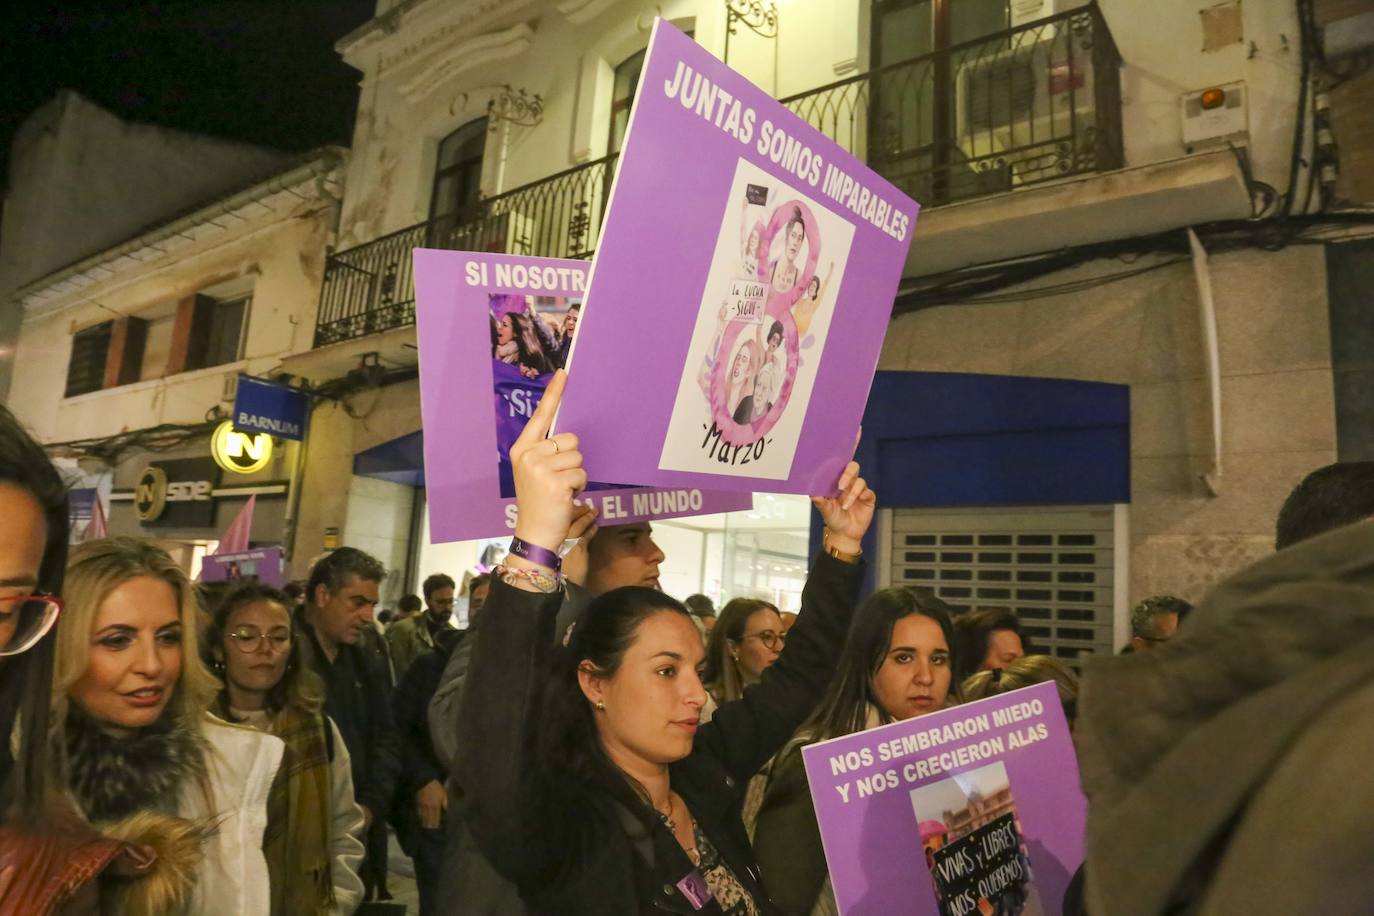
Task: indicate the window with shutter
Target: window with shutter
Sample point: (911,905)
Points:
(1054,567)
(213,334)
(90,351)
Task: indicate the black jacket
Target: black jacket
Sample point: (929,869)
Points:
(357,697)
(571,847)
(410,711)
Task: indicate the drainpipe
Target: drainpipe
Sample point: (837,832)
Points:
(293,500)
(1207,316)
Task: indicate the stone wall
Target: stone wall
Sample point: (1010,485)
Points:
(1278,415)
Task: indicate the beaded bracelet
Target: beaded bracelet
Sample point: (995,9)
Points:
(542,581)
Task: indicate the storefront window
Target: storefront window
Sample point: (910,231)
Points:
(760,553)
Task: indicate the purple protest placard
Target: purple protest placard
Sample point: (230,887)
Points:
(742,289)
(263,564)
(492,329)
(933,815)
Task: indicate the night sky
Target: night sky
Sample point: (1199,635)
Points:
(262,71)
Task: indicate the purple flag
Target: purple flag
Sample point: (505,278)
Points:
(742,287)
(502,323)
(944,813)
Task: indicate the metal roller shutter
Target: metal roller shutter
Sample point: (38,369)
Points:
(1056,567)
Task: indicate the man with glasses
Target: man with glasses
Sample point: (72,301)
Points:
(1155,620)
(417,634)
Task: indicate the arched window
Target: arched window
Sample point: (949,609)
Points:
(622,97)
(458,173)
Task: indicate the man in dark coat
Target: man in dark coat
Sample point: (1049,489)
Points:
(1226,770)
(340,598)
(421,815)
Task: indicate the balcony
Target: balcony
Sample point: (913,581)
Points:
(1027,105)
(1011,110)
(370,288)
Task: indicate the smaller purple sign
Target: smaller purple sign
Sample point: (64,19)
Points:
(262,565)
(503,324)
(984,796)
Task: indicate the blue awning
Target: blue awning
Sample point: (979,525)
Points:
(950,439)
(401,460)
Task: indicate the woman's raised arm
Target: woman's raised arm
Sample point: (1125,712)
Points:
(505,790)
(744,734)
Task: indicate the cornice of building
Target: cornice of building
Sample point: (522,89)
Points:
(414,31)
(473,54)
(316,179)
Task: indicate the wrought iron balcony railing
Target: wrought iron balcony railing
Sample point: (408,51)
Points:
(1026,105)
(370,288)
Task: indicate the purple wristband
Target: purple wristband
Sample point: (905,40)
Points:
(536,554)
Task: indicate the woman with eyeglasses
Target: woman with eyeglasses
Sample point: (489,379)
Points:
(746,641)
(313,824)
(49,858)
(143,757)
(747,638)
(896,665)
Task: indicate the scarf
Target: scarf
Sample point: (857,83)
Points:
(115,777)
(299,812)
(131,789)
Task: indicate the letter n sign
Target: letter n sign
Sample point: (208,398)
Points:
(266,407)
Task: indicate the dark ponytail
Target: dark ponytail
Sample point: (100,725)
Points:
(569,740)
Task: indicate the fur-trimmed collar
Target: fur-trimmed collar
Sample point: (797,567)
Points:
(113,778)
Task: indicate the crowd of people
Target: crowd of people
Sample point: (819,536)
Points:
(589,744)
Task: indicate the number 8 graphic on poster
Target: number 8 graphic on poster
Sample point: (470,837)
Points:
(756,364)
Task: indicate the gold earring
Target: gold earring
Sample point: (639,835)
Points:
(600,705)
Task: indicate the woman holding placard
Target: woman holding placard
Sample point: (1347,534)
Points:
(896,665)
(592,782)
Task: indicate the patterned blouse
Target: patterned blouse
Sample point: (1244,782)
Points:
(731,896)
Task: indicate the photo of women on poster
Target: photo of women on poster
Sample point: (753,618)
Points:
(760,331)
(971,837)
(524,355)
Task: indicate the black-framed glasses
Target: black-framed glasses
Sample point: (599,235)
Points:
(769,638)
(25,619)
(250,639)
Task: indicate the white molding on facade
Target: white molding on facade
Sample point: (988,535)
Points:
(471,55)
(847,14)
(313,182)
(595,79)
(581,11)
(426,28)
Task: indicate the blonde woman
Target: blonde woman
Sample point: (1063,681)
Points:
(141,757)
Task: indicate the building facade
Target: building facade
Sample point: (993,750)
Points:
(80,180)
(127,359)
(1062,152)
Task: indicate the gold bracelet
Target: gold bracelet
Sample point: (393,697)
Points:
(838,554)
